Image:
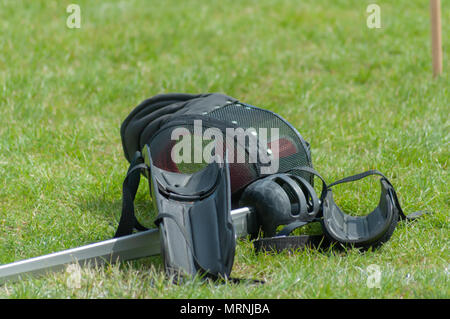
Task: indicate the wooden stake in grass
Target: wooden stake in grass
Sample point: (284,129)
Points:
(436,36)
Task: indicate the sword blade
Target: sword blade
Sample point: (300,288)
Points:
(134,246)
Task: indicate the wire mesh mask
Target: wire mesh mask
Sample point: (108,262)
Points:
(178,128)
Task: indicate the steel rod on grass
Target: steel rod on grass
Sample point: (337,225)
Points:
(134,246)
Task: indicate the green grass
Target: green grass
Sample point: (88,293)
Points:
(364,98)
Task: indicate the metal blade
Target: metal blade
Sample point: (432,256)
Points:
(134,246)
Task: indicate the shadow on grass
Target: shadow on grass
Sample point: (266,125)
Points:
(107,212)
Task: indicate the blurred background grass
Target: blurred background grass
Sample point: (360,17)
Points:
(364,98)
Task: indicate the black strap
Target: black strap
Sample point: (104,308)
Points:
(289,228)
(358,177)
(402,215)
(282,241)
(307,169)
(128,220)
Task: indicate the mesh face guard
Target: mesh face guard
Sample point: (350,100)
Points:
(279,147)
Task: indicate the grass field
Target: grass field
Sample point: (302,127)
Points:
(364,98)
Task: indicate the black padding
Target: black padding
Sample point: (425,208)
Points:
(313,203)
(197,233)
(188,185)
(146,119)
(313,172)
(301,207)
(280,199)
(271,203)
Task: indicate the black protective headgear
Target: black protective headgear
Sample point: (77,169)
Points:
(193,201)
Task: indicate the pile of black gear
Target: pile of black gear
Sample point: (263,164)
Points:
(274,180)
